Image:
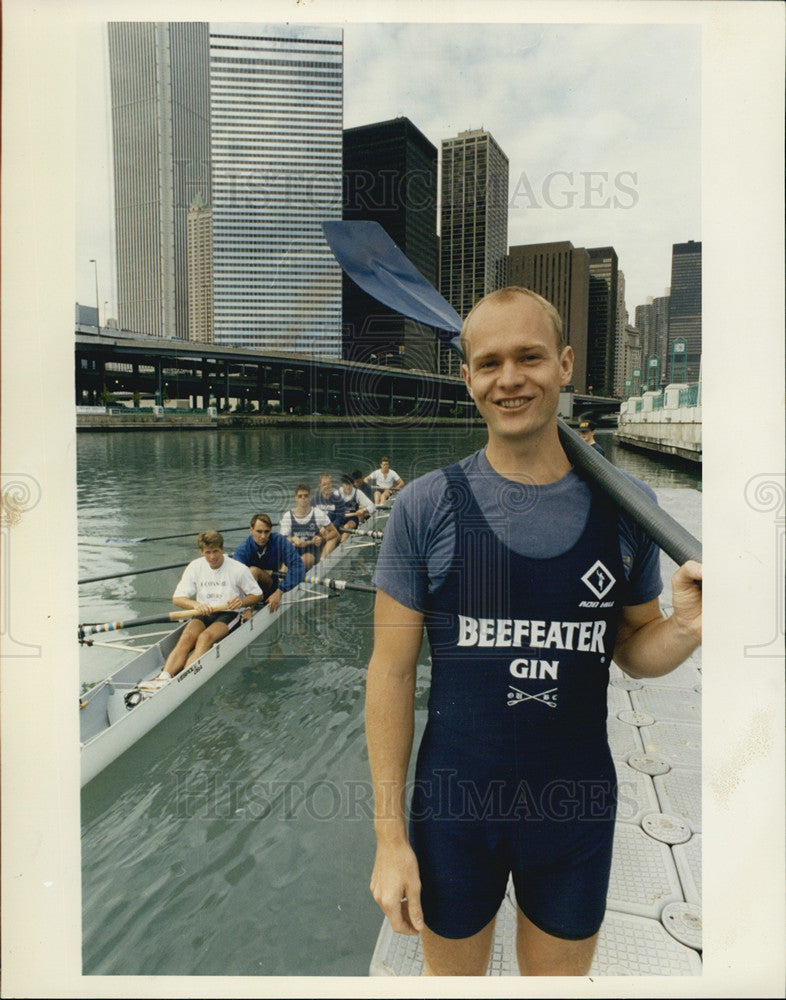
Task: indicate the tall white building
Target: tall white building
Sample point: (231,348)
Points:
(161,158)
(276,96)
(249,116)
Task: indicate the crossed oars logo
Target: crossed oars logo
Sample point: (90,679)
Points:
(516,696)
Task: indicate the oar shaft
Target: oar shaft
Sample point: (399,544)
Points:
(131,572)
(332,584)
(171,616)
(164,538)
(365,532)
(676,541)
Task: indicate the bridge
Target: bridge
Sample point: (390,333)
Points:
(200,375)
(114,364)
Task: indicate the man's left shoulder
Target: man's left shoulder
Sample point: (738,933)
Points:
(645,487)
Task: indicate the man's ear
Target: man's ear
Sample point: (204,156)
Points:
(467,381)
(566,366)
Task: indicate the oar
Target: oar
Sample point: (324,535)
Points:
(325,581)
(365,532)
(132,572)
(88,540)
(172,616)
(179,565)
(374,262)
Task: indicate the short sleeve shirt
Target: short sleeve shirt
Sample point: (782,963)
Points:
(216,586)
(538,521)
(382,481)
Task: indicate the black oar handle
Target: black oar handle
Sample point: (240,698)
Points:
(676,541)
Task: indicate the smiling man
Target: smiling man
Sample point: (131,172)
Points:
(528,581)
(210,581)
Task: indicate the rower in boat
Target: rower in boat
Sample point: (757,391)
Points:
(329,500)
(209,581)
(357,506)
(360,484)
(384,481)
(308,528)
(273,560)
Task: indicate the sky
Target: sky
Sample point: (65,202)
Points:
(600,123)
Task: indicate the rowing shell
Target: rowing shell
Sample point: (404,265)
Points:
(108,727)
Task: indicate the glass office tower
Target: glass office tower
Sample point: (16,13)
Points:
(276,152)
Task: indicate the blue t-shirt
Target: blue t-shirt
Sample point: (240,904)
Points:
(538,521)
(277,551)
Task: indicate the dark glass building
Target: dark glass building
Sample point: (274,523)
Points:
(390,177)
(602,320)
(685,309)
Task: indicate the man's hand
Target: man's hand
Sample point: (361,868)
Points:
(317,540)
(395,886)
(686,597)
(274,600)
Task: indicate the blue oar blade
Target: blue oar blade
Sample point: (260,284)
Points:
(374,262)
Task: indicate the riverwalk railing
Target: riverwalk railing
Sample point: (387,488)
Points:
(667,421)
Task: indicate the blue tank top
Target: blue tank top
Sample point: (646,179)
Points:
(351,503)
(305,531)
(521,647)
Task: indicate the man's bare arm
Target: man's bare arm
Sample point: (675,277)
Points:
(649,644)
(390,724)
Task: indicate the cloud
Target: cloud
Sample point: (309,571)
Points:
(592,99)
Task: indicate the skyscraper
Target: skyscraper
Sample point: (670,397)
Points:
(622,332)
(685,312)
(652,320)
(248,116)
(161,159)
(276,97)
(390,177)
(474,218)
(560,273)
(200,271)
(602,322)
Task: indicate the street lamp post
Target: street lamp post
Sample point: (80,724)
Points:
(98,314)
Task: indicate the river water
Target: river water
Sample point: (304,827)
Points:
(236,837)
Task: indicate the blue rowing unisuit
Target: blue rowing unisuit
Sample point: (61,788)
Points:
(514,771)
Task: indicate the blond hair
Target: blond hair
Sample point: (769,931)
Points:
(508,294)
(210,540)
